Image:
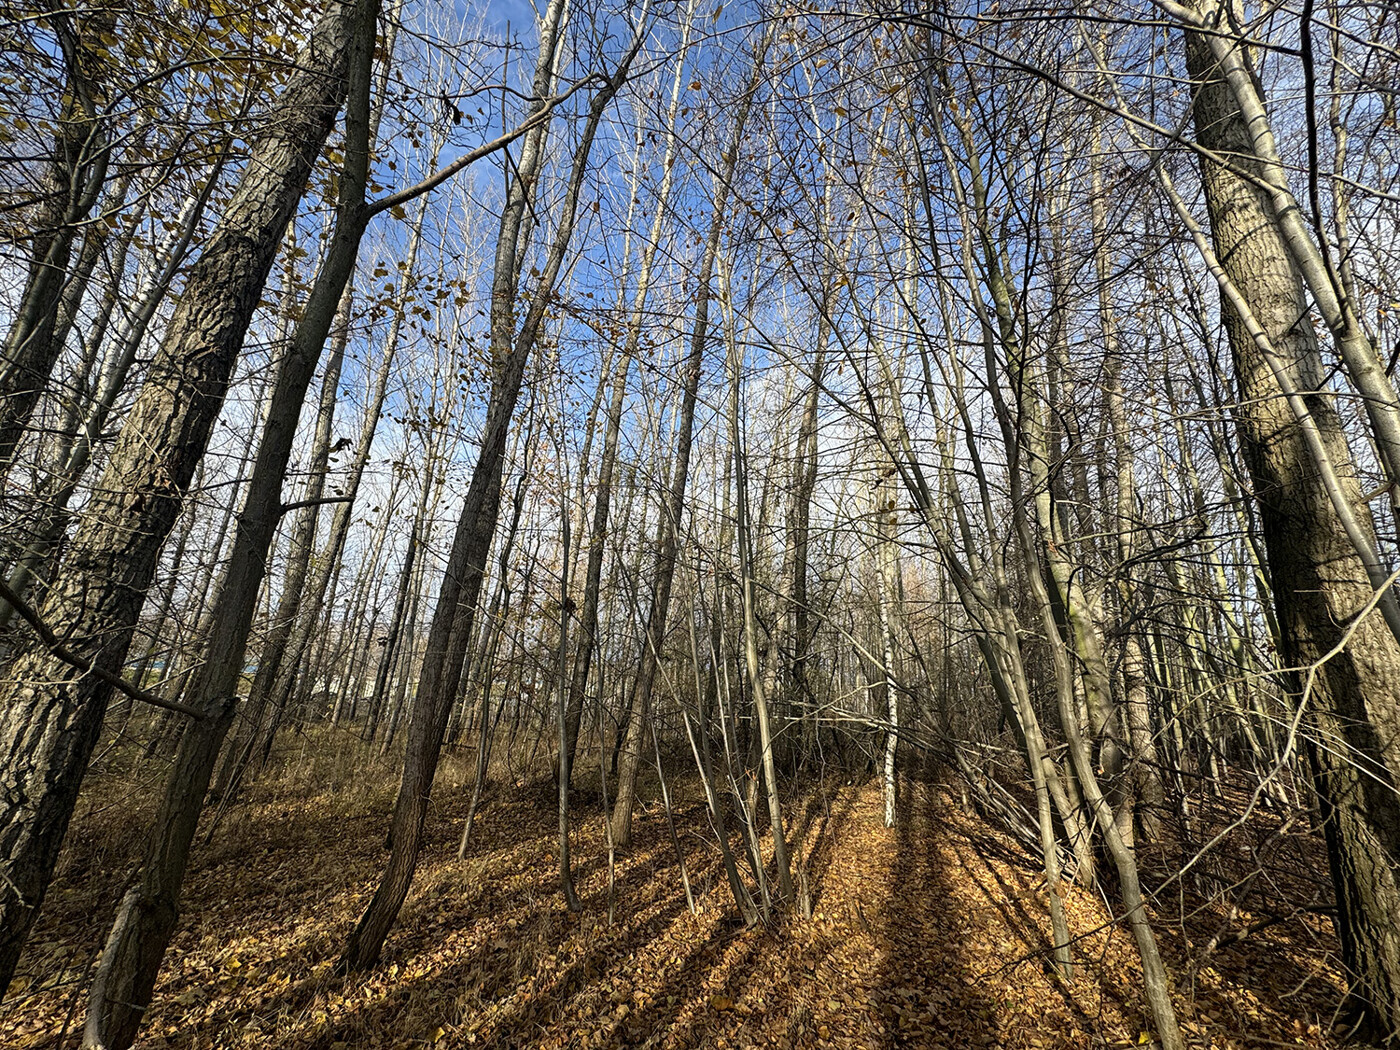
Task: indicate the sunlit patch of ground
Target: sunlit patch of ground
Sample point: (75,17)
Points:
(930,934)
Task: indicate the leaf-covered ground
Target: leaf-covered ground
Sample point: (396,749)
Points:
(931,934)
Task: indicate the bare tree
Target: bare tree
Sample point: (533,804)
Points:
(454,617)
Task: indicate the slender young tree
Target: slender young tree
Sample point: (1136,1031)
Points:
(743,534)
(639,701)
(612,427)
(454,617)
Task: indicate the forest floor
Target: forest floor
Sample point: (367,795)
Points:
(930,934)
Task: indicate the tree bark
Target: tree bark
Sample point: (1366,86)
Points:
(130,962)
(52,715)
(1348,661)
(77,170)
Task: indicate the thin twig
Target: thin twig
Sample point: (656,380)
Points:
(58,649)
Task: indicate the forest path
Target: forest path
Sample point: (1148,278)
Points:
(930,934)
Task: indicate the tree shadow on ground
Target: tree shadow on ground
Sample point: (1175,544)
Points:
(930,993)
(658,976)
(933,933)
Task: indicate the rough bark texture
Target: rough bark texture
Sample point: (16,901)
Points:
(131,960)
(1320,585)
(51,713)
(77,168)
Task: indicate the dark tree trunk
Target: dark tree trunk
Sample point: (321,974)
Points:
(451,630)
(51,713)
(1321,586)
(77,169)
(130,962)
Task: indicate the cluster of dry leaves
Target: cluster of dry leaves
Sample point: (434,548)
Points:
(930,934)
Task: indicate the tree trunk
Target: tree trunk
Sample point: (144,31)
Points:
(566,607)
(1325,599)
(76,444)
(77,170)
(630,755)
(51,713)
(598,528)
(130,962)
(299,551)
(743,535)
(451,629)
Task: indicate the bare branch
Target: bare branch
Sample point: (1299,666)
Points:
(46,635)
